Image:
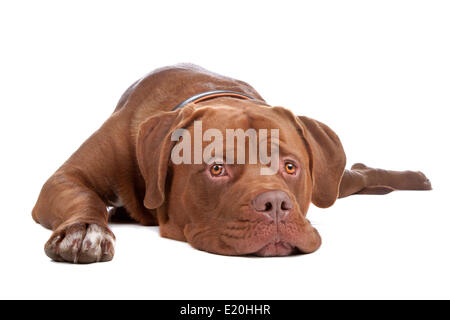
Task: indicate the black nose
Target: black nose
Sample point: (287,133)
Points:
(276,204)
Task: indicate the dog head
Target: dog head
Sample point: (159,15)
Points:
(220,199)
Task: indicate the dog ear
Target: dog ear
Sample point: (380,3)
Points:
(327,160)
(153,148)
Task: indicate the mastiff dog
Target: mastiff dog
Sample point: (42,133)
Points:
(208,160)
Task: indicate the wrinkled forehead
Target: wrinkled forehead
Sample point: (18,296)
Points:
(223,117)
(264,121)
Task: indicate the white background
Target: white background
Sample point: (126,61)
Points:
(377,72)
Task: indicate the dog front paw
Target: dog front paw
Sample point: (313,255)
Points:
(81,243)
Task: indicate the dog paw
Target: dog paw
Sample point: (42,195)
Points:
(81,243)
(417,181)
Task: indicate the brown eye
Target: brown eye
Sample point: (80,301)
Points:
(217,170)
(290,167)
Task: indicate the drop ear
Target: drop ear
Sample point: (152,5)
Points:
(153,148)
(327,160)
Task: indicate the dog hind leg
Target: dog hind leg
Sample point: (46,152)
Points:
(362,179)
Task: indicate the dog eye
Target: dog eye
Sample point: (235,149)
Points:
(217,170)
(290,167)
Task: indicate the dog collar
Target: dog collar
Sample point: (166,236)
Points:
(213,94)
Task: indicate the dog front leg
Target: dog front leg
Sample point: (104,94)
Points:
(78,217)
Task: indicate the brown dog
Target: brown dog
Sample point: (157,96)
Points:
(224,208)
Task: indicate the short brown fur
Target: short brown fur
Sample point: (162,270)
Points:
(125,164)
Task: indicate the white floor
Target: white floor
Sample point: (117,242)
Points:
(395,246)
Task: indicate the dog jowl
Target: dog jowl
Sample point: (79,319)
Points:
(208,160)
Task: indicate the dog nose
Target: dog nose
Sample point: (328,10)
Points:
(276,204)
